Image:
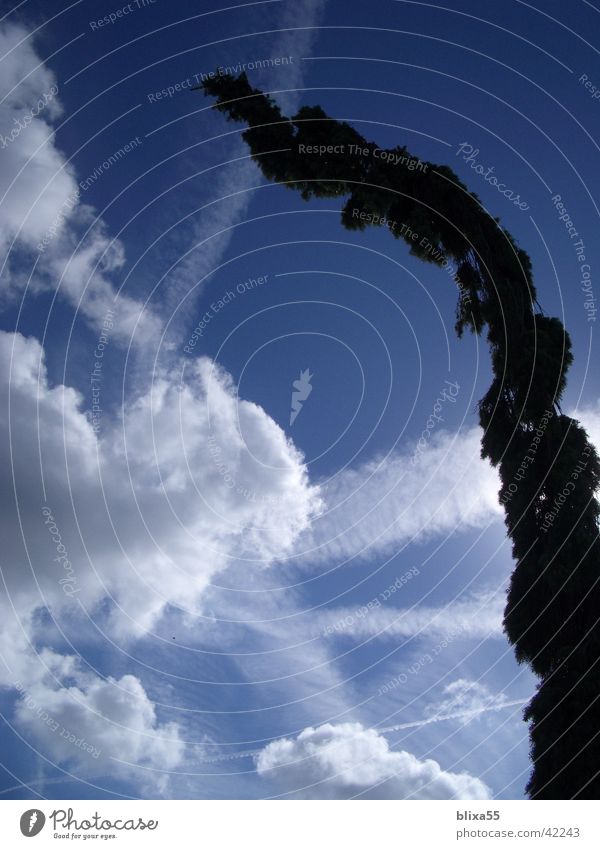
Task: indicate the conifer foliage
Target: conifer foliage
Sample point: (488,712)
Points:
(548,469)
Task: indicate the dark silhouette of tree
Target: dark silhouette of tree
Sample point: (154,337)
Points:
(548,468)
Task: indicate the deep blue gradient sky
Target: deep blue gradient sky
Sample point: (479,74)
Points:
(236,655)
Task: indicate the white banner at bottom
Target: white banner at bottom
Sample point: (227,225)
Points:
(301,824)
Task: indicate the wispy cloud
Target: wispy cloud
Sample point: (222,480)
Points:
(477,616)
(226,191)
(391,501)
(465,700)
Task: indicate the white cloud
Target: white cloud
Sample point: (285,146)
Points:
(227,193)
(468,699)
(477,616)
(347,760)
(209,237)
(299,24)
(33,182)
(389,501)
(190,479)
(100,726)
(589,416)
(39,203)
(38,192)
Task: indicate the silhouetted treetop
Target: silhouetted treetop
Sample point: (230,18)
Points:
(548,469)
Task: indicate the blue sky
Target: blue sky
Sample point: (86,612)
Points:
(200,599)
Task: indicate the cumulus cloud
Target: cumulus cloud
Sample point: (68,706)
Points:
(390,501)
(129,521)
(188,478)
(99,726)
(348,760)
(42,215)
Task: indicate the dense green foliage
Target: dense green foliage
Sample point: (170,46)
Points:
(548,469)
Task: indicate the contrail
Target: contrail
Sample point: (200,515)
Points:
(457,715)
(419,723)
(25,785)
